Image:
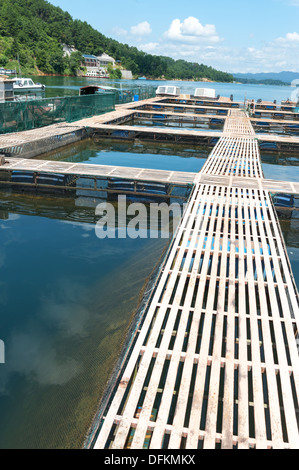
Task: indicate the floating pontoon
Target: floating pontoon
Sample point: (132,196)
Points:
(168,91)
(205,93)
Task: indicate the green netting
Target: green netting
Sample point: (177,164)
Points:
(18,116)
(135,93)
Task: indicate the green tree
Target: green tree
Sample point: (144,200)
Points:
(75,61)
(114,73)
(37,29)
(3,60)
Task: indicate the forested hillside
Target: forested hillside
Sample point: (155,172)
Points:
(285,77)
(35,30)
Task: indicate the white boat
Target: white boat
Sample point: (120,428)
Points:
(26,84)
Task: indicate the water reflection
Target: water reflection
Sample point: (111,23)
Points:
(30,95)
(59,86)
(134,154)
(289,223)
(66,302)
(280,166)
(196,125)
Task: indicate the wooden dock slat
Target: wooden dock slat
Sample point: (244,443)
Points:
(241,345)
(228,393)
(222,280)
(274,407)
(213,398)
(178,422)
(194,244)
(258,418)
(109,419)
(144,174)
(163,349)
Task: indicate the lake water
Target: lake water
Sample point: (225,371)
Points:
(181,158)
(59,86)
(67,297)
(134,154)
(200,126)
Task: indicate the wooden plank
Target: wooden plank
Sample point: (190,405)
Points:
(163,348)
(287,395)
(213,400)
(109,420)
(179,417)
(228,395)
(223,278)
(259,424)
(241,336)
(274,407)
(199,237)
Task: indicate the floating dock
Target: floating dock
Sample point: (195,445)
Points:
(214,360)
(209,175)
(113,125)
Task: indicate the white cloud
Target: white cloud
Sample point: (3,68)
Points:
(119,31)
(290,39)
(191,31)
(292,36)
(280,54)
(150,47)
(142,29)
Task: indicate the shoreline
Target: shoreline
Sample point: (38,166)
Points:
(159,80)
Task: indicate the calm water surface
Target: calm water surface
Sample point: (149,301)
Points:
(183,158)
(59,86)
(200,126)
(66,301)
(134,154)
(281,167)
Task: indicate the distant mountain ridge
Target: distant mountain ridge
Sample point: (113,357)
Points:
(286,77)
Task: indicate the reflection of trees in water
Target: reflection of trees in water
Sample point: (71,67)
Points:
(83,151)
(290,229)
(4,214)
(43,206)
(280,158)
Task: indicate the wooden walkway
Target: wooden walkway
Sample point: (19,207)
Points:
(215,362)
(99,171)
(34,142)
(233,126)
(206,176)
(222,102)
(202,108)
(185,117)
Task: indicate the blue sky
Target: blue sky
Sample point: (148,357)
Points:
(231,35)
